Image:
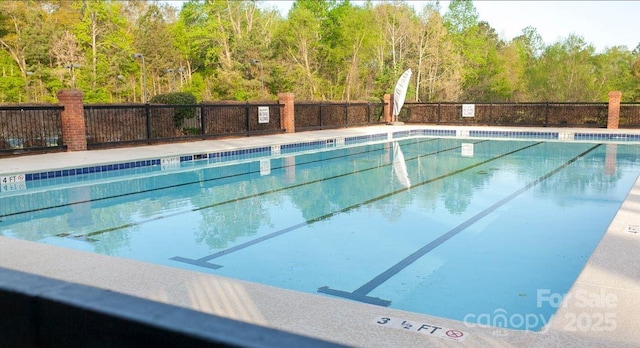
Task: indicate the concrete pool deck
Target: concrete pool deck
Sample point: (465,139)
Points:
(600,309)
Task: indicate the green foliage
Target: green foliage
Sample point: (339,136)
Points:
(12,86)
(174,98)
(178,98)
(323,49)
(461,16)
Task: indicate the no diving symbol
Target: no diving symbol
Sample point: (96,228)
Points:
(454,334)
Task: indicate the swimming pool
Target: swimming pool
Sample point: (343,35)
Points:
(450,230)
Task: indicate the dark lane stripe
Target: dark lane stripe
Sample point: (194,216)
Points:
(202,262)
(360,293)
(205,180)
(265,193)
(326,216)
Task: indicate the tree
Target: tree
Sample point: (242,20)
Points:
(438,76)
(461,16)
(478,44)
(635,72)
(614,71)
(323,49)
(397,23)
(299,41)
(12,87)
(102,34)
(349,48)
(17,20)
(565,72)
(153,38)
(510,79)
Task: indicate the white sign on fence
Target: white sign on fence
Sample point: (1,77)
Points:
(263,114)
(468,110)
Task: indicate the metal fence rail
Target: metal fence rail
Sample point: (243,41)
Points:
(30,128)
(238,119)
(147,123)
(630,115)
(515,114)
(313,115)
(115,123)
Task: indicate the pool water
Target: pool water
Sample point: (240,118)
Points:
(467,229)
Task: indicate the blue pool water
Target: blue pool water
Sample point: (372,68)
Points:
(464,229)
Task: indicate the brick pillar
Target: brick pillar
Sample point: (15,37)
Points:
(74,132)
(388,108)
(614,110)
(287,116)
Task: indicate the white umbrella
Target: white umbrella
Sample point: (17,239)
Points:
(400,93)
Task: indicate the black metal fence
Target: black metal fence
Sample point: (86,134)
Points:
(137,123)
(519,114)
(314,115)
(30,128)
(38,128)
(630,115)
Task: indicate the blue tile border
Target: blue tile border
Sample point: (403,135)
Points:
(312,145)
(607,137)
(513,134)
(233,155)
(425,132)
(241,154)
(365,138)
(100,168)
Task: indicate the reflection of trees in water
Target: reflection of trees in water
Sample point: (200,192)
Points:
(456,192)
(588,176)
(353,182)
(35,230)
(147,203)
(361,184)
(224,224)
(32,202)
(135,199)
(392,208)
(112,214)
(310,199)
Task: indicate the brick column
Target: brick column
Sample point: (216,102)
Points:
(614,110)
(74,132)
(388,108)
(287,116)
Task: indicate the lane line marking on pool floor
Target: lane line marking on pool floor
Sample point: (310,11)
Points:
(197,182)
(361,293)
(343,210)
